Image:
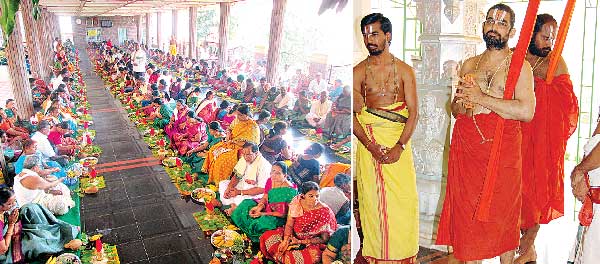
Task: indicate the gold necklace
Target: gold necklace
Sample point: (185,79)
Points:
(489,82)
(538,62)
(386,82)
(489,85)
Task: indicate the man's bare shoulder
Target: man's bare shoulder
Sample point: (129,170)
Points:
(361,65)
(561,68)
(358,71)
(405,70)
(470,64)
(403,65)
(526,67)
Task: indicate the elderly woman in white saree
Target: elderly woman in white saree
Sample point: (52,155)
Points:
(29,187)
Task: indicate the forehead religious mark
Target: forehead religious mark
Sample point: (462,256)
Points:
(498,15)
(369,29)
(550,30)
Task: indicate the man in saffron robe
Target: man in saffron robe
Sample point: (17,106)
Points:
(385,116)
(545,138)
(475,231)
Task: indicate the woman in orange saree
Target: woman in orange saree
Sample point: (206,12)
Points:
(223,156)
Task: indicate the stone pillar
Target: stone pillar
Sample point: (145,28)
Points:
(31,34)
(19,80)
(158,31)
(449,37)
(53,24)
(193,32)
(46,40)
(361,9)
(148,30)
(275,40)
(139,28)
(223,25)
(43,45)
(174,28)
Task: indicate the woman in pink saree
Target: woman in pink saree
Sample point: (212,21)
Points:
(194,134)
(179,117)
(207,108)
(309,225)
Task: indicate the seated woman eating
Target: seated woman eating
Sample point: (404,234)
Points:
(192,135)
(163,113)
(50,170)
(64,145)
(248,180)
(31,188)
(309,225)
(274,147)
(307,167)
(223,156)
(58,113)
(207,108)
(179,117)
(13,132)
(256,218)
(228,115)
(32,231)
(196,156)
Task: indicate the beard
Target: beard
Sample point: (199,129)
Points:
(374,51)
(543,52)
(494,41)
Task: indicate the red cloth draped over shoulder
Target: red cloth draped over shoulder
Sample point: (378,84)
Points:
(544,144)
(473,239)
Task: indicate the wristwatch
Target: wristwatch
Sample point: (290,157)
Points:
(402,145)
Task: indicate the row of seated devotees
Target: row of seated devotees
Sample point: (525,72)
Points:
(314,109)
(39,152)
(277,204)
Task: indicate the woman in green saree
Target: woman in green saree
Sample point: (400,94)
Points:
(271,212)
(163,113)
(32,231)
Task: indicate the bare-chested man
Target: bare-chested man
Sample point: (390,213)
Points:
(478,106)
(385,116)
(545,138)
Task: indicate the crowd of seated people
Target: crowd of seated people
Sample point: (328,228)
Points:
(272,193)
(38,152)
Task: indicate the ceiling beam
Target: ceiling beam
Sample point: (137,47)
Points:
(115,8)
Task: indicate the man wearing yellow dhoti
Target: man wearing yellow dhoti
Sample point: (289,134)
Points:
(385,116)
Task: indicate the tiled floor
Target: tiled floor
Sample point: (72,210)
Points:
(140,210)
